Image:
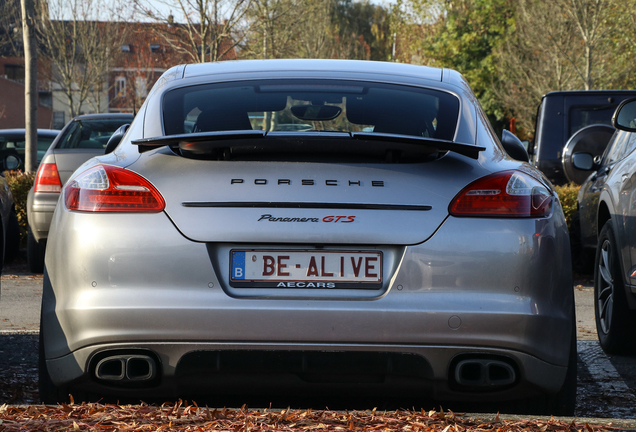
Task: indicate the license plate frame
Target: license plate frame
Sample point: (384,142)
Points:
(295,269)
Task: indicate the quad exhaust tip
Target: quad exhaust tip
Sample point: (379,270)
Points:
(132,367)
(484,373)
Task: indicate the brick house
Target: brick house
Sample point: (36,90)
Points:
(143,57)
(12,94)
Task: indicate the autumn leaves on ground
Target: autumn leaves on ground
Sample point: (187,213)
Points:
(184,417)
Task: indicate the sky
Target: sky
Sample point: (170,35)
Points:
(61,9)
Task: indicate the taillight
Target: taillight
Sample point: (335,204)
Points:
(505,194)
(106,188)
(48,179)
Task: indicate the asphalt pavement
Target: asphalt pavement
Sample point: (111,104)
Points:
(20,300)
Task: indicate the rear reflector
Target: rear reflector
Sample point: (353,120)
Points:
(106,188)
(508,194)
(48,179)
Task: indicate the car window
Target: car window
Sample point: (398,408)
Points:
(19,143)
(581,116)
(630,144)
(88,134)
(311,105)
(616,148)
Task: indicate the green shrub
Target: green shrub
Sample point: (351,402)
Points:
(20,183)
(567,196)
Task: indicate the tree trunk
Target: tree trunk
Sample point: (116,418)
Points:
(30,87)
(589,82)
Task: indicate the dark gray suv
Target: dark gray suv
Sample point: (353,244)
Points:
(608,224)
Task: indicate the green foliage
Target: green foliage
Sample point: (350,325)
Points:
(567,196)
(20,184)
(464,35)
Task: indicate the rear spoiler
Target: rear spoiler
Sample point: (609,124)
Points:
(207,142)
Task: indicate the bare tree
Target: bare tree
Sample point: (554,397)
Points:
(563,45)
(314,29)
(534,60)
(31,85)
(275,26)
(212,30)
(79,47)
(10,34)
(590,19)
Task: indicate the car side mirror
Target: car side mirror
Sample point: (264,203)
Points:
(624,117)
(514,147)
(115,138)
(11,162)
(583,161)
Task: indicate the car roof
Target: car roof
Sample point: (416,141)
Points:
(314,65)
(589,92)
(21,132)
(102,116)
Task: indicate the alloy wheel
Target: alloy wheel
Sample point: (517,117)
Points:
(605,293)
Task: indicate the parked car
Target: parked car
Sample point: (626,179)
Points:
(9,228)
(571,122)
(82,138)
(608,224)
(393,249)
(12,146)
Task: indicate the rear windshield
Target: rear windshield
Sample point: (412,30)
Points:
(309,106)
(581,116)
(90,134)
(16,145)
(19,143)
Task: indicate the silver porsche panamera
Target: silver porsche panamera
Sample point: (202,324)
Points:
(306,227)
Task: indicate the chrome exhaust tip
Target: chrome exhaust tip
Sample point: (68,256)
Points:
(132,367)
(484,373)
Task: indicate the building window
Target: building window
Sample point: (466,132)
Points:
(14,72)
(58,119)
(155,47)
(125,48)
(120,86)
(141,87)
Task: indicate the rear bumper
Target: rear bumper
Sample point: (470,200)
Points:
(40,208)
(505,291)
(430,373)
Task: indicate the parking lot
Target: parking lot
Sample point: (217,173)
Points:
(606,384)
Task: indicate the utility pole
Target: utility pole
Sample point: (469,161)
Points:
(30,85)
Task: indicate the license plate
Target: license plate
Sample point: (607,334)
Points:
(305,269)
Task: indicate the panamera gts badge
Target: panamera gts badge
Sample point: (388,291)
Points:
(327,219)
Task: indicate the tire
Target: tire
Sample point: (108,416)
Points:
(35,253)
(12,245)
(561,403)
(614,320)
(564,402)
(50,394)
(582,258)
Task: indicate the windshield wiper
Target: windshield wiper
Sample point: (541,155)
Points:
(469,150)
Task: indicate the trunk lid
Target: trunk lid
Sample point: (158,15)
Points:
(306,202)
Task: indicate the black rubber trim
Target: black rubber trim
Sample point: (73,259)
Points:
(301,205)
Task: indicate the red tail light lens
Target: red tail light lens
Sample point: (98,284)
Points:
(505,194)
(48,179)
(106,188)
